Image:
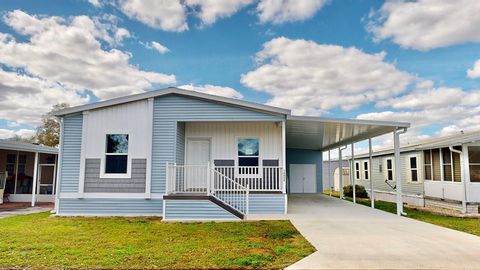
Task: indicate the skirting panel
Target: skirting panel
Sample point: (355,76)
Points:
(267,204)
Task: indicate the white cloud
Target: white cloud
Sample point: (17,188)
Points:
(23,99)
(211,10)
(474,72)
(156,46)
(23,133)
(95,3)
(311,78)
(167,15)
(214,90)
(70,53)
(281,11)
(427,24)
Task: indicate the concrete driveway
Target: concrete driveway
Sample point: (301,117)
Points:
(349,236)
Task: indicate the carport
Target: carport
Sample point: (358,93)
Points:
(305,134)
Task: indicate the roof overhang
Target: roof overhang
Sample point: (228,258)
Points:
(169,91)
(26,147)
(317,133)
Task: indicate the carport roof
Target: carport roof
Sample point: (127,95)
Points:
(26,147)
(318,133)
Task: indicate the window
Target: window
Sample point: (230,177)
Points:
(474,163)
(365,170)
(248,152)
(436,165)
(357,170)
(389,169)
(116,154)
(427,157)
(413,169)
(447,164)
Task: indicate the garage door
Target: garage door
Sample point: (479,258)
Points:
(303,178)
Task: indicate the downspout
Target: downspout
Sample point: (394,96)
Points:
(398,173)
(462,176)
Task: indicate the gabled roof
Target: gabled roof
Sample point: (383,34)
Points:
(26,147)
(169,91)
(431,143)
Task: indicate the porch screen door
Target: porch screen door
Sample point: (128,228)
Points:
(198,155)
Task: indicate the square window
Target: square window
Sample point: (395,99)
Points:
(117,143)
(116,164)
(248,147)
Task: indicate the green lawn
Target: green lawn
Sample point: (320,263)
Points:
(468,225)
(44,241)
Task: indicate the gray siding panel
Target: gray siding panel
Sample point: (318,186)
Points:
(168,110)
(195,210)
(135,184)
(72,142)
(267,204)
(114,207)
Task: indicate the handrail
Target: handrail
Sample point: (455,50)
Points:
(229,191)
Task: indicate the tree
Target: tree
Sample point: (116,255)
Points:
(49,132)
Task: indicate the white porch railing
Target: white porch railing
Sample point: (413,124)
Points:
(266,178)
(202,179)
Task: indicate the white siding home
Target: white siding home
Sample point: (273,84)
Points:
(185,155)
(441,172)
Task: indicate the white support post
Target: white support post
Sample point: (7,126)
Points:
(59,168)
(353,175)
(340,172)
(148,175)
(462,176)
(284,155)
(208,179)
(370,159)
(81,182)
(35,179)
(247,211)
(167,178)
(329,175)
(398,172)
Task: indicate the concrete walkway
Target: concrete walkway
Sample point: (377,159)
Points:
(349,236)
(4,213)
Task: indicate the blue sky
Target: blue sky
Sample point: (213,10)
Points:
(420,77)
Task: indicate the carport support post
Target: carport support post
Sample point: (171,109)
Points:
(398,173)
(35,179)
(340,172)
(353,175)
(372,196)
(329,175)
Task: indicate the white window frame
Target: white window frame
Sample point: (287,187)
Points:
(468,163)
(443,164)
(103,160)
(367,170)
(357,172)
(430,164)
(392,169)
(410,169)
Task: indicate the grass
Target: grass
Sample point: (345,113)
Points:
(44,241)
(464,224)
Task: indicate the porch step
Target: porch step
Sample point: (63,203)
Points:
(196,197)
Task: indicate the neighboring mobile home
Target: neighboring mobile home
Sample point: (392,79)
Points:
(186,155)
(439,172)
(27,172)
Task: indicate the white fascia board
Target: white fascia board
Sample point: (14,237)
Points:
(349,121)
(172,90)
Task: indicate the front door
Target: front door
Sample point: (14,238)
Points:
(198,156)
(303,178)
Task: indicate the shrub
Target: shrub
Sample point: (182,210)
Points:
(360,191)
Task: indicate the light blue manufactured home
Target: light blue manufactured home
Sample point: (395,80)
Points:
(185,155)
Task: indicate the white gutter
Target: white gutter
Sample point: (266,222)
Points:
(462,176)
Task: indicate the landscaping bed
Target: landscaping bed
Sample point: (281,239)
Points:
(44,241)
